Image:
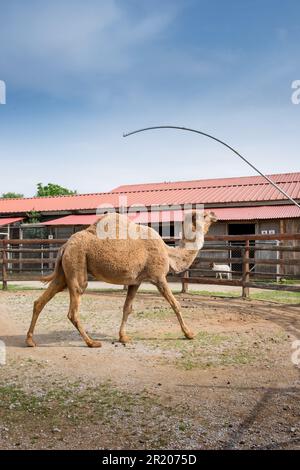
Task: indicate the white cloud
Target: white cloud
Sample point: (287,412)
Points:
(136,70)
(58,46)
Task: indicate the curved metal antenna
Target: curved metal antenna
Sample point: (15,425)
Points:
(226,145)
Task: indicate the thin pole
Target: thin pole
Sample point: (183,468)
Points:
(226,145)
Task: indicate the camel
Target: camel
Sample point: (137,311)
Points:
(124,260)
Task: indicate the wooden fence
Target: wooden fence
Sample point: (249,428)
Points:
(254,261)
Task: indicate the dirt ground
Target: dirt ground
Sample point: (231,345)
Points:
(233,386)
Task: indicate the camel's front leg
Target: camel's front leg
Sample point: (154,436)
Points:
(73,316)
(165,290)
(127,309)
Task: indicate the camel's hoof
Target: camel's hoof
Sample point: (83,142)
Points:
(190,335)
(30,343)
(125,339)
(95,344)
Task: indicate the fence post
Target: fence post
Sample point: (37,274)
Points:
(185,285)
(4,265)
(246,269)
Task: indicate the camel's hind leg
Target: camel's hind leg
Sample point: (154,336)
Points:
(127,309)
(73,315)
(165,290)
(57,285)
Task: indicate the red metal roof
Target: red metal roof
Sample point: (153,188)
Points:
(209,183)
(9,220)
(220,190)
(74,220)
(157,217)
(223,214)
(257,213)
(137,217)
(57,203)
(248,189)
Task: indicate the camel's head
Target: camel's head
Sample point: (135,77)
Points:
(209,218)
(202,221)
(196,225)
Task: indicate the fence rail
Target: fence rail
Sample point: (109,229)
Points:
(253,261)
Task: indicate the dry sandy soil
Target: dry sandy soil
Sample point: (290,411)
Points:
(233,386)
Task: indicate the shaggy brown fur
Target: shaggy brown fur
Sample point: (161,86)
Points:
(119,260)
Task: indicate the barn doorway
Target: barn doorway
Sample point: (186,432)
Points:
(236,252)
(241,229)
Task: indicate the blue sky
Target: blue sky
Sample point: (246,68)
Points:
(80,73)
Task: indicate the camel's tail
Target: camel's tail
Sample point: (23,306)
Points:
(57,269)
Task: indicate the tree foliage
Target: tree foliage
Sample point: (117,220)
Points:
(33,217)
(51,189)
(12,195)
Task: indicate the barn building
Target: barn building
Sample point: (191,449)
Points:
(244,205)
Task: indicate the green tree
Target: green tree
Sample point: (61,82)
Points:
(11,195)
(51,189)
(33,217)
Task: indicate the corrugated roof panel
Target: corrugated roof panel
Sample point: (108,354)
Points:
(223,214)
(73,220)
(9,220)
(214,182)
(228,190)
(257,213)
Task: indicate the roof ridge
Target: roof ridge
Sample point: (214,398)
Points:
(185,188)
(116,190)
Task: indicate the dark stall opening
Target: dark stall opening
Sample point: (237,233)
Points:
(240,229)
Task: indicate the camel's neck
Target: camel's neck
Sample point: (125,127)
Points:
(181,257)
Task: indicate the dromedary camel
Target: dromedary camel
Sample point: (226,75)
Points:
(118,259)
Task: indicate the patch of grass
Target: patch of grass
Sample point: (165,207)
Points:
(203,360)
(277,296)
(206,293)
(70,401)
(17,287)
(202,339)
(281,281)
(210,339)
(238,356)
(15,399)
(205,350)
(156,313)
(129,419)
(209,350)
(270,295)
